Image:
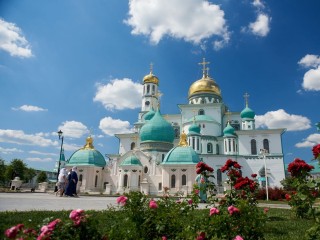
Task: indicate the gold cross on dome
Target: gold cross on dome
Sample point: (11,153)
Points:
(204,63)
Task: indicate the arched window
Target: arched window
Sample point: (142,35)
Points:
(145,169)
(209,147)
(133,144)
(153,89)
(184,180)
(80,178)
(173,181)
(219,177)
(125,180)
(96,181)
(253,147)
(201,112)
(148,89)
(266,144)
(217,149)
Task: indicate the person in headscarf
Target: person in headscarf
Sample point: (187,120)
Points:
(71,189)
(62,181)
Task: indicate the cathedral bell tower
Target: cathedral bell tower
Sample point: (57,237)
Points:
(150,96)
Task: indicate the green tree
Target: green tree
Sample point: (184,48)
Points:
(2,172)
(42,177)
(16,168)
(29,174)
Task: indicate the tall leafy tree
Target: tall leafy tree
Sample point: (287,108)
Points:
(2,172)
(29,173)
(16,168)
(42,177)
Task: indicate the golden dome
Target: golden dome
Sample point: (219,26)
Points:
(150,78)
(204,85)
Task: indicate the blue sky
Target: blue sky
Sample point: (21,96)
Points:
(77,66)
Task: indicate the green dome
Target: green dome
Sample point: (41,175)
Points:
(149,115)
(87,156)
(131,160)
(194,129)
(157,130)
(181,155)
(247,113)
(228,130)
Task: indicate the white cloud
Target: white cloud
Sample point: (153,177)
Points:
(72,147)
(119,94)
(281,119)
(258,4)
(261,26)
(73,129)
(29,108)
(190,20)
(311,80)
(19,137)
(13,41)
(40,159)
(310,60)
(43,153)
(310,141)
(112,126)
(10,150)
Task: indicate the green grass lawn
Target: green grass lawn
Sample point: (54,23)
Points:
(280,225)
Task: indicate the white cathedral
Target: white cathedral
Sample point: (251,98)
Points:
(163,150)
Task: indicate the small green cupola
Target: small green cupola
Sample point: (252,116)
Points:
(131,161)
(247,116)
(194,129)
(87,156)
(228,131)
(247,113)
(182,154)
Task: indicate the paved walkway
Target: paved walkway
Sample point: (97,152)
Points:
(49,201)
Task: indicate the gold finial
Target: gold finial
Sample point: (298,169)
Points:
(246,97)
(88,144)
(204,63)
(183,140)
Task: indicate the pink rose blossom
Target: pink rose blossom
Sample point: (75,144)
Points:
(164,238)
(153,204)
(201,236)
(233,210)
(238,238)
(53,224)
(11,232)
(266,210)
(190,201)
(122,200)
(214,211)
